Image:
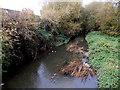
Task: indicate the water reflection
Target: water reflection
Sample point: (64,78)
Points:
(38,74)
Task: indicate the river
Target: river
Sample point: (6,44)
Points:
(38,73)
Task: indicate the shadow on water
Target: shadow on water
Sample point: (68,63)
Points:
(39,72)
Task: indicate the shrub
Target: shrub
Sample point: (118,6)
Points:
(19,40)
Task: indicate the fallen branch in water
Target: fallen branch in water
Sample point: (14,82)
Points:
(76,68)
(75,48)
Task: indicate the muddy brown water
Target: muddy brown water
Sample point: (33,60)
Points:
(38,74)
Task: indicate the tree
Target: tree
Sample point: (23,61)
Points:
(65,15)
(27,15)
(26,29)
(26,25)
(18,38)
(107,18)
(91,11)
(102,16)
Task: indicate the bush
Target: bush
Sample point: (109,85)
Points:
(48,31)
(10,40)
(19,40)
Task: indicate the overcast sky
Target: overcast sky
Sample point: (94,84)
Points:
(35,5)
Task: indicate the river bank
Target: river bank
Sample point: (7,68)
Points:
(39,72)
(25,37)
(103,51)
(103,55)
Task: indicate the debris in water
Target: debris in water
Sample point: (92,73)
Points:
(1,84)
(53,76)
(76,68)
(86,64)
(75,48)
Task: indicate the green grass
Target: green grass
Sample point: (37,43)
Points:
(103,55)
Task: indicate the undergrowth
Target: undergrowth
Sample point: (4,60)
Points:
(103,55)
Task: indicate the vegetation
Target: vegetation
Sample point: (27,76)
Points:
(18,38)
(71,19)
(103,55)
(46,33)
(103,17)
(64,17)
(23,36)
(97,16)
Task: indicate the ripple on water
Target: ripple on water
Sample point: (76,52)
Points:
(38,73)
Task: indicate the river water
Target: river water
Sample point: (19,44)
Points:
(38,73)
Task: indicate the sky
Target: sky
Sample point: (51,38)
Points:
(35,5)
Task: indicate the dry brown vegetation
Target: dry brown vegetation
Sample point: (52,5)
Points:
(75,68)
(73,47)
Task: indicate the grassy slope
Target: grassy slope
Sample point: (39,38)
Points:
(103,55)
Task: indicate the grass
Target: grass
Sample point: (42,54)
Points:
(103,55)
